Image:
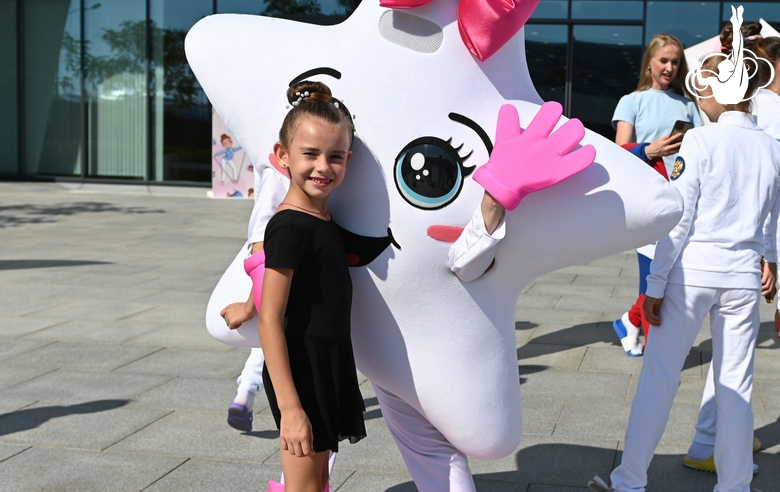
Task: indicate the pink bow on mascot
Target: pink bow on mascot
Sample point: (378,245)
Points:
(485,25)
(439,349)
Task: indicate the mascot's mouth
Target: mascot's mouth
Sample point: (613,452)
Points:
(444,233)
(362,250)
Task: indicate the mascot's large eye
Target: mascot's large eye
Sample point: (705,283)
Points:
(429,172)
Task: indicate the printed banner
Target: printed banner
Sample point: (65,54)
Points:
(231,170)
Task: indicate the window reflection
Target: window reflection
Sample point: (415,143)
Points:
(9,159)
(605,66)
(690,22)
(551,9)
(545,50)
(52,87)
(313,11)
(769,11)
(607,9)
(117,114)
(181,112)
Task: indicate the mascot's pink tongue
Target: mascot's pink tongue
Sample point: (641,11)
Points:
(485,25)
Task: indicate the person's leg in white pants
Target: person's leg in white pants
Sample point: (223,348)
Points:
(249,383)
(434,463)
(734,322)
(682,312)
(704,439)
(251,378)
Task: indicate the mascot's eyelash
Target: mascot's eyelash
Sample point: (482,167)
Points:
(466,170)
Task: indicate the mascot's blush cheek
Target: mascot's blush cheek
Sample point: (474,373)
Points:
(447,234)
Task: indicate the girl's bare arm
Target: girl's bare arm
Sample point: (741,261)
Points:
(295,434)
(238,313)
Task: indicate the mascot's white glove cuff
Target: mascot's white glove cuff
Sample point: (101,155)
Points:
(473,252)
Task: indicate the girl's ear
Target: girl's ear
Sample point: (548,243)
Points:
(281,154)
(349,156)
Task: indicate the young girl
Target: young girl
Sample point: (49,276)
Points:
(646,117)
(310,376)
(729,177)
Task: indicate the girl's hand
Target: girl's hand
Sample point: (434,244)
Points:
(768,280)
(664,146)
(652,307)
(237,313)
(295,434)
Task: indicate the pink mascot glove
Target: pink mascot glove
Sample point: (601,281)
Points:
(254,266)
(526,161)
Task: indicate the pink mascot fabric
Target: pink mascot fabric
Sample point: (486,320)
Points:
(254,266)
(545,161)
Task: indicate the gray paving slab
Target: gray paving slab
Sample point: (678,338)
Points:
(70,387)
(97,332)
(541,415)
(75,470)
(198,474)
(11,374)
(10,348)
(10,450)
(174,334)
(203,435)
(192,363)
(109,381)
(82,357)
(199,394)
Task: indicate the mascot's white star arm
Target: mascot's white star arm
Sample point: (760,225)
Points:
(272,190)
(474,251)
(235,285)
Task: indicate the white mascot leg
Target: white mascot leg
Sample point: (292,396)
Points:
(434,463)
(234,286)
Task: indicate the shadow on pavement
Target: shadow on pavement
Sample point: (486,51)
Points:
(26,264)
(570,465)
(16,215)
(30,418)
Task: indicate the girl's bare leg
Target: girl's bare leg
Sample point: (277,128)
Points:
(305,474)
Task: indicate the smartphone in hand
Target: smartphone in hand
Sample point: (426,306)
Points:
(681,127)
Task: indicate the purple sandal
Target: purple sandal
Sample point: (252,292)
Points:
(239,417)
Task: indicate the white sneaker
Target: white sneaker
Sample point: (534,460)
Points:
(598,485)
(628,335)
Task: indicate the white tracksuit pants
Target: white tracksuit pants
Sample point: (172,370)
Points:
(434,463)
(251,378)
(734,323)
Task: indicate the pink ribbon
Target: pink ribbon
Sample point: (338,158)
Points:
(485,25)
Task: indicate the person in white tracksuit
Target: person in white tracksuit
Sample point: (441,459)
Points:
(729,177)
(766,108)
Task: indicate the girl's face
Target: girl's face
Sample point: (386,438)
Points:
(317,158)
(227,143)
(664,66)
(712,108)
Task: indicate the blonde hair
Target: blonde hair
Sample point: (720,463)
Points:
(656,43)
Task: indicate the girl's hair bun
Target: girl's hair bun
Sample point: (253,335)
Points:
(313,99)
(317,92)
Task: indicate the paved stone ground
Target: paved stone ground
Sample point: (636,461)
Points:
(109,380)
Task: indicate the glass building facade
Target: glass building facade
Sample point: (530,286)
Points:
(101,90)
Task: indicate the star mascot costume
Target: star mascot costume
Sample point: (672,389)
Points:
(444,110)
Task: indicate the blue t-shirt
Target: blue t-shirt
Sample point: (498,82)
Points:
(653,112)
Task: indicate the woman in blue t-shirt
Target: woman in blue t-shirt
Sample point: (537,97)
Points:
(647,116)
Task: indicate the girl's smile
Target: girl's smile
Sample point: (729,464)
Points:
(316,160)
